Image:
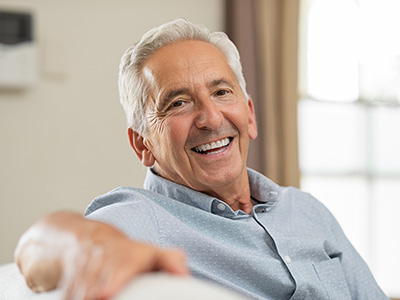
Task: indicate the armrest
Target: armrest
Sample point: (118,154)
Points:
(150,286)
(13,286)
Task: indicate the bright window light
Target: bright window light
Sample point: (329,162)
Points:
(349,145)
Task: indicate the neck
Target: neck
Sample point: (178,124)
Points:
(236,195)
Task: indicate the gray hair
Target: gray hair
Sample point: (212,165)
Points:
(134,88)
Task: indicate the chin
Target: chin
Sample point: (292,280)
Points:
(220,177)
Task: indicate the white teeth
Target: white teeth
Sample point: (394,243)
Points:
(218,144)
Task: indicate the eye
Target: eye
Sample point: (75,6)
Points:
(221,92)
(177,103)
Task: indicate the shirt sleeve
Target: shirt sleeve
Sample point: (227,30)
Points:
(129,211)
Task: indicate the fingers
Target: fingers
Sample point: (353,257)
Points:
(172,261)
(39,255)
(43,275)
(100,271)
(82,276)
(141,258)
(94,260)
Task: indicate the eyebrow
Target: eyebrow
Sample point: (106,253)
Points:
(171,95)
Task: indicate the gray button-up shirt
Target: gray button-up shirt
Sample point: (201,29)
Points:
(290,247)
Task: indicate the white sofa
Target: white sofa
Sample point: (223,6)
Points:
(153,286)
(13,286)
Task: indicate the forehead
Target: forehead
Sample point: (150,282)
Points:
(186,62)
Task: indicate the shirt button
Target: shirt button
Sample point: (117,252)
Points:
(288,259)
(272,195)
(260,210)
(221,206)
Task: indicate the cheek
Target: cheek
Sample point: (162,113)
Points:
(175,132)
(238,116)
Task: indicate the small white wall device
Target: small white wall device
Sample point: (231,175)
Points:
(18,62)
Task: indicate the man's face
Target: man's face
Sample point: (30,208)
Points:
(198,119)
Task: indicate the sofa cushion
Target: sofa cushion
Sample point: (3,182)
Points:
(151,286)
(13,286)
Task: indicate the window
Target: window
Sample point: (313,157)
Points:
(349,123)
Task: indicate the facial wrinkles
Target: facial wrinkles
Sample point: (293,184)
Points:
(156,120)
(155,117)
(199,78)
(158,115)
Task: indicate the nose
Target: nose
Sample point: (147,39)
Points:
(209,115)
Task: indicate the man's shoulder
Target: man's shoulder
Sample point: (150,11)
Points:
(304,204)
(134,211)
(120,195)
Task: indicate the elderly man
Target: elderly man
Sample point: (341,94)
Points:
(190,121)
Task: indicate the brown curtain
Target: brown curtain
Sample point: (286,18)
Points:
(266,34)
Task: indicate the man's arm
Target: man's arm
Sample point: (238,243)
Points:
(88,259)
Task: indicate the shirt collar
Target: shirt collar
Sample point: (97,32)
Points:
(262,190)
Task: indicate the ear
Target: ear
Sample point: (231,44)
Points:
(142,151)
(252,120)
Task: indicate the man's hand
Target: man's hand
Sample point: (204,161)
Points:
(87,259)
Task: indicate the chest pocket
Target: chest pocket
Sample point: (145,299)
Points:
(331,275)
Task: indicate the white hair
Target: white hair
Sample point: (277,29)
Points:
(134,88)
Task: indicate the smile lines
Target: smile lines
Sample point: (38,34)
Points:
(208,148)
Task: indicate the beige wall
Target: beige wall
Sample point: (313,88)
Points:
(63,141)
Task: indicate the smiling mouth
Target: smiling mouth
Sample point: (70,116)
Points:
(214,147)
